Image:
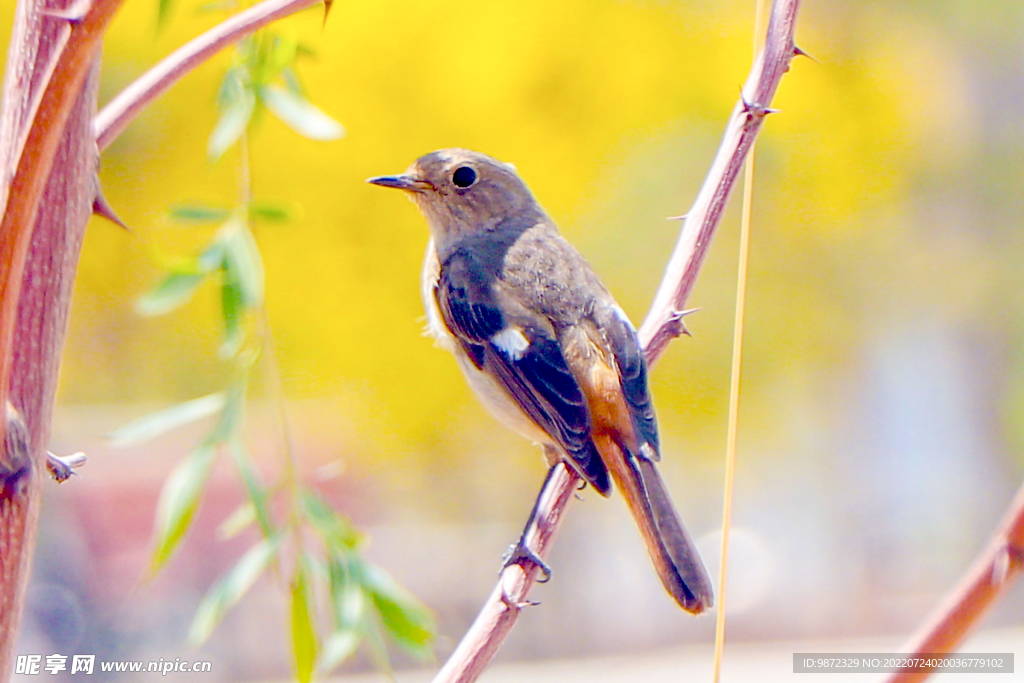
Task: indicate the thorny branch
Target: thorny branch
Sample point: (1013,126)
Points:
(663,324)
(32,160)
(49,83)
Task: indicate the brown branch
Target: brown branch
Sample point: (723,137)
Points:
(984,583)
(48,64)
(121,110)
(499,613)
(70,61)
(39,332)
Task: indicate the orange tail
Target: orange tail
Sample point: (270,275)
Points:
(670,546)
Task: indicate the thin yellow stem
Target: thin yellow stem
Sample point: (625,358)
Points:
(734,384)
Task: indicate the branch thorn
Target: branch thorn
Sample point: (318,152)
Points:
(675,324)
(101,207)
(756,110)
(61,468)
(681,217)
(798,52)
(1006,557)
(516,605)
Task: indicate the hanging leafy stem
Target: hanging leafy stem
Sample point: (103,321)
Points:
(320,547)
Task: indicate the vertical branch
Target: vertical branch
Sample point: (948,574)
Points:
(58,72)
(38,337)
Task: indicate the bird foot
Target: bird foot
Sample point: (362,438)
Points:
(520,553)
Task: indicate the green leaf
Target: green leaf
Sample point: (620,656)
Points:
(238,521)
(280,55)
(305,50)
(300,114)
(174,290)
(230,589)
(303,635)
(339,646)
(271,212)
(349,608)
(162,13)
(232,415)
(253,485)
(375,645)
(242,261)
(406,619)
(347,596)
(291,79)
(336,530)
(212,257)
(233,312)
(185,277)
(178,502)
(237,102)
(218,6)
(162,421)
(194,213)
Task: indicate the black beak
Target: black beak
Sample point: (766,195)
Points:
(401,182)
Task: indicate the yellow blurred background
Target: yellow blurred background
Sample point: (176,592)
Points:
(883,395)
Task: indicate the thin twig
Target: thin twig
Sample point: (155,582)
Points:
(663,324)
(987,579)
(121,110)
(40,328)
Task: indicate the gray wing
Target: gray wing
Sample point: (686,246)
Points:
(534,373)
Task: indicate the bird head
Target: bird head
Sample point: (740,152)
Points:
(462,193)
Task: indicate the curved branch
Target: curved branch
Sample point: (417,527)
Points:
(121,110)
(48,162)
(988,579)
(664,323)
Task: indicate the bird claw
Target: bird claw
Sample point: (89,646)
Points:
(520,553)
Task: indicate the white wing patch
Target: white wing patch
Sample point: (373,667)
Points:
(512,342)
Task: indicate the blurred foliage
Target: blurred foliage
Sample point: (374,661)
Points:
(263,75)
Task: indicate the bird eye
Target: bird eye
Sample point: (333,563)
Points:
(464,176)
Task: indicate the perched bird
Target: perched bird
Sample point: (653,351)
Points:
(543,343)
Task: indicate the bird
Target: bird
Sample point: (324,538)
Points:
(544,345)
